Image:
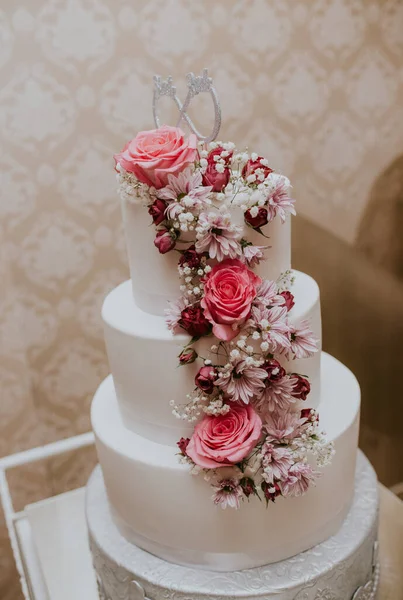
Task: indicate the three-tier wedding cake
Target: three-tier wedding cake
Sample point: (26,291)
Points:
(227,440)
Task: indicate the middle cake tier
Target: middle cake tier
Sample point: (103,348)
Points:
(143,357)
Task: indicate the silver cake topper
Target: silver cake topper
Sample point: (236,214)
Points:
(197,84)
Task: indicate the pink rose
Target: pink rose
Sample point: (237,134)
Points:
(194,321)
(251,167)
(153,155)
(259,220)
(191,258)
(164,241)
(225,439)
(274,370)
(205,379)
(288,299)
(217,179)
(157,211)
(301,388)
(229,291)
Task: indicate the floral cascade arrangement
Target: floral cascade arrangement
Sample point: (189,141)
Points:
(251,438)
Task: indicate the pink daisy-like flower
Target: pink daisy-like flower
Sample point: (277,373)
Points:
(173,313)
(281,425)
(253,255)
(303,341)
(276,462)
(272,323)
(267,294)
(300,477)
(217,235)
(187,183)
(279,203)
(276,395)
(242,382)
(228,492)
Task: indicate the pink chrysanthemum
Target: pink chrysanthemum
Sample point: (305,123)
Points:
(173,313)
(187,183)
(267,295)
(279,203)
(217,235)
(273,326)
(276,462)
(300,477)
(277,395)
(303,341)
(283,425)
(228,492)
(253,255)
(242,382)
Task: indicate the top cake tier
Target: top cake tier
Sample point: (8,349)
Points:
(154,276)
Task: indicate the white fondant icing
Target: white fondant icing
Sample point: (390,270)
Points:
(163,509)
(154,276)
(143,357)
(335,569)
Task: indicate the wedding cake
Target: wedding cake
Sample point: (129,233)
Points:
(227,440)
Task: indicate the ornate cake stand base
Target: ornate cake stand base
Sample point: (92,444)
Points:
(345,567)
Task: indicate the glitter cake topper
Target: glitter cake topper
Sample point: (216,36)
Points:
(197,84)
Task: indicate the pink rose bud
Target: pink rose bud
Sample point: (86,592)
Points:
(183,444)
(251,167)
(271,491)
(309,414)
(191,257)
(274,370)
(217,179)
(187,356)
(164,241)
(205,379)
(301,388)
(288,300)
(157,211)
(259,220)
(248,486)
(194,322)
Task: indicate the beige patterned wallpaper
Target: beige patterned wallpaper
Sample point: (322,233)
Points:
(317,86)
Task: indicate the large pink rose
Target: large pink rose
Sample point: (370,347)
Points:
(229,291)
(155,154)
(226,439)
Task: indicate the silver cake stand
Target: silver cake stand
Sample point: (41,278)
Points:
(345,567)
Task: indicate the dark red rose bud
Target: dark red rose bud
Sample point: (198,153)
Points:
(274,370)
(164,241)
(288,300)
(271,491)
(252,165)
(194,322)
(191,258)
(301,388)
(248,486)
(259,220)
(310,415)
(183,444)
(205,379)
(211,176)
(187,356)
(157,211)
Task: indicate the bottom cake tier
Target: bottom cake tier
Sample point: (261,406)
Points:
(158,506)
(344,567)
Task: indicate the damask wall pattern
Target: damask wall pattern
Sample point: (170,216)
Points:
(316,86)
